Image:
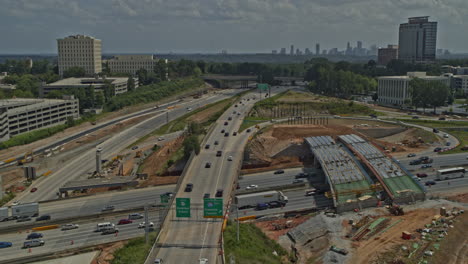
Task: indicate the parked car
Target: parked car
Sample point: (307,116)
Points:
(124,221)
(447,144)
(108,208)
(229,118)
(441,118)
(158,261)
(34,236)
(189,187)
(34,189)
(415,117)
(219,193)
(43,217)
(421,175)
(222,131)
(208,165)
(435,130)
(5,244)
(251,187)
(226,123)
(429,183)
(203,261)
(411,155)
(279,172)
(135,216)
(160,138)
(69,227)
(425,166)
(248,130)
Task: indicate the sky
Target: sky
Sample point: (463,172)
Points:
(209,26)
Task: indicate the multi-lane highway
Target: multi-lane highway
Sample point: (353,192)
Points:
(78,167)
(185,240)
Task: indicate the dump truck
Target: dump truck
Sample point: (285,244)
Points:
(252,199)
(3,214)
(27,209)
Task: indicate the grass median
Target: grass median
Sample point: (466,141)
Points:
(134,251)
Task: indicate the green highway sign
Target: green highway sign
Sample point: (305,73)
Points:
(262,86)
(164,198)
(213,208)
(183,207)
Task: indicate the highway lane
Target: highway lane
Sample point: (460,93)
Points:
(48,186)
(440,160)
(78,207)
(269,179)
(57,240)
(203,234)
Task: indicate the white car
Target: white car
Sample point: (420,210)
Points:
(142,225)
(15,203)
(446,135)
(230,158)
(251,187)
(203,261)
(69,226)
(160,139)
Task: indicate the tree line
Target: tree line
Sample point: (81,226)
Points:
(426,94)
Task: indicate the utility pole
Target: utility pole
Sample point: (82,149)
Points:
(237,212)
(146,224)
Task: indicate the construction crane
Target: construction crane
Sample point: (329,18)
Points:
(28,157)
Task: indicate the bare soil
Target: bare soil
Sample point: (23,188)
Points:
(204,115)
(107,253)
(268,226)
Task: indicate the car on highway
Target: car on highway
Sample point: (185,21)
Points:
(275,204)
(208,165)
(301,175)
(435,130)
(226,123)
(135,216)
(5,244)
(248,130)
(189,109)
(429,183)
(229,118)
(43,218)
(446,136)
(447,144)
(169,194)
(34,189)
(261,206)
(251,187)
(69,227)
(108,208)
(203,261)
(229,158)
(23,218)
(216,142)
(206,195)
(310,192)
(142,225)
(15,203)
(33,243)
(222,131)
(158,261)
(297,181)
(279,172)
(34,236)
(124,221)
(160,138)
(421,175)
(411,155)
(226,134)
(234,133)
(427,161)
(189,187)
(207,146)
(219,193)
(109,231)
(425,166)
(219,153)
(442,118)
(438,149)
(134,147)
(415,117)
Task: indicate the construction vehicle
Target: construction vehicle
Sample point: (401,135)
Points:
(395,209)
(28,157)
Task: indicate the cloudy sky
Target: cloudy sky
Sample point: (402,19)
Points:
(160,26)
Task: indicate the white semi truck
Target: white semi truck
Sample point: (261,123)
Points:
(3,214)
(253,199)
(27,209)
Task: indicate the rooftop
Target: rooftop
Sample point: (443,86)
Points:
(26,104)
(87,81)
(78,36)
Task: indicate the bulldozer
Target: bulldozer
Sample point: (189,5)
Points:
(395,209)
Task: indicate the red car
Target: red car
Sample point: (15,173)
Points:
(421,175)
(125,221)
(34,189)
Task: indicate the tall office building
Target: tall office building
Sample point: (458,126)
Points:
(79,51)
(417,40)
(291,52)
(307,51)
(317,49)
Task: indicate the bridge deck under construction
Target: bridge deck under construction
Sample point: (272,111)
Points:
(398,181)
(343,173)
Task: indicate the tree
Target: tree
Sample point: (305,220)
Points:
(439,92)
(70,121)
(75,71)
(99,101)
(191,144)
(55,94)
(130,84)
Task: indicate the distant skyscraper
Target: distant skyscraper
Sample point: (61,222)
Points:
(373,50)
(307,51)
(79,51)
(283,51)
(291,52)
(317,49)
(387,54)
(274,52)
(324,52)
(298,52)
(359,44)
(348,50)
(417,40)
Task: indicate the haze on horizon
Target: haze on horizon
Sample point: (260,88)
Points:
(209,26)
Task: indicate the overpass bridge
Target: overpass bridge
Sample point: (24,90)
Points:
(243,81)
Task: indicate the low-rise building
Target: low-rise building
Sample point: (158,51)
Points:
(459,83)
(19,116)
(119,84)
(385,55)
(130,64)
(394,90)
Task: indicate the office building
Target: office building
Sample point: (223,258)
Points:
(130,64)
(291,52)
(19,116)
(119,85)
(459,83)
(283,51)
(79,51)
(317,49)
(417,40)
(394,90)
(455,70)
(385,55)
(307,51)
(349,49)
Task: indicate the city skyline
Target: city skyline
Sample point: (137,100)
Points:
(208,27)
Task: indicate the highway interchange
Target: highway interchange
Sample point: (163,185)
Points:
(184,241)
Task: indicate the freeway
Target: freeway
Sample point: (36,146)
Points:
(88,205)
(270,179)
(48,186)
(185,240)
(57,240)
(440,161)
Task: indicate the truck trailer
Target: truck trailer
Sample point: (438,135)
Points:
(28,209)
(252,199)
(3,214)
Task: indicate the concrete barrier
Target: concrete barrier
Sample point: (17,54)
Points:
(42,228)
(245,218)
